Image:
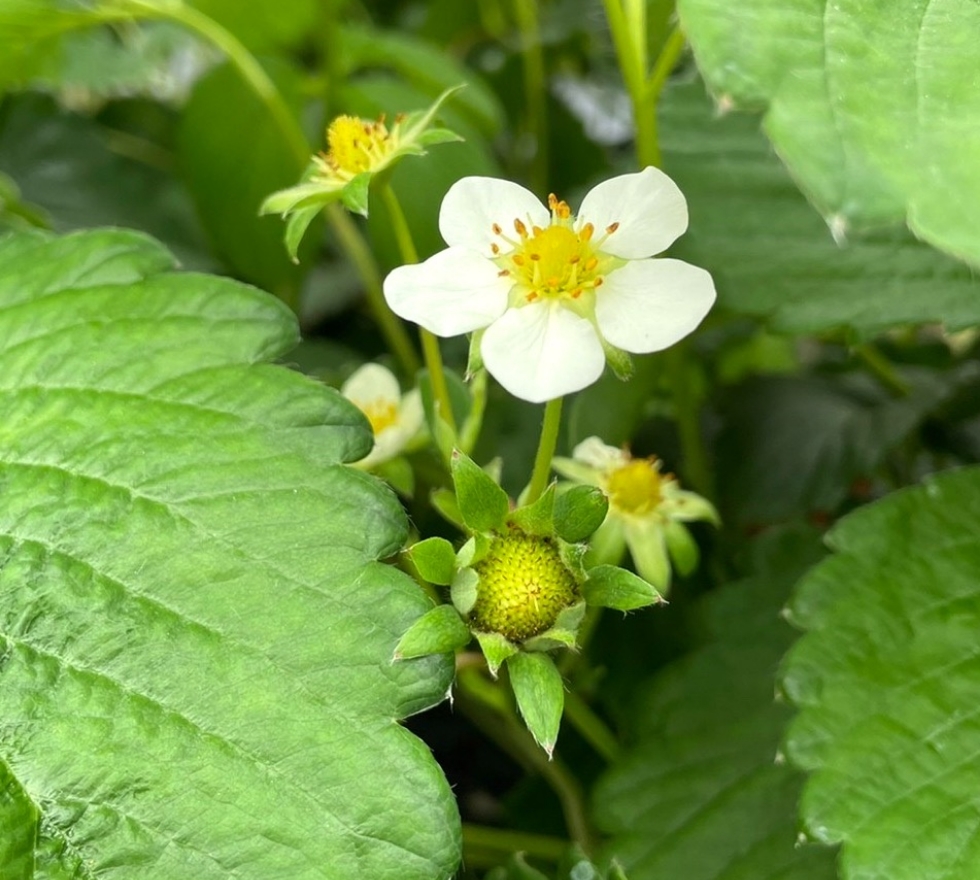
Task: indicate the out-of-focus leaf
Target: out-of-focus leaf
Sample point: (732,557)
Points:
(196,632)
(794,445)
(874,106)
(770,254)
(232,156)
(886,679)
(73,169)
(268,24)
(700,795)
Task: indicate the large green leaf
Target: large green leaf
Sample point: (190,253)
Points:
(196,634)
(872,104)
(772,256)
(700,796)
(887,680)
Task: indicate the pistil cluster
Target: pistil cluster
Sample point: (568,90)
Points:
(556,262)
(355,146)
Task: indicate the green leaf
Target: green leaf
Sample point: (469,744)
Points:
(579,511)
(779,261)
(886,680)
(612,587)
(482,503)
(440,630)
(869,135)
(435,560)
(537,518)
(795,445)
(196,632)
(224,132)
(700,796)
(540,695)
(263,25)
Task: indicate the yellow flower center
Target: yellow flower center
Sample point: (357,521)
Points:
(355,145)
(524,585)
(380,413)
(556,262)
(635,487)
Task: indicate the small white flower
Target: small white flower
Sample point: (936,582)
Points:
(557,293)
(647,509)
(395,419)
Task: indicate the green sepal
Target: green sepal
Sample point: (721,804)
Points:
(496,648)
(682,547)
(538,518)
(444,502)
(620,362)
(472,551)
(439,631)
(574,555)
(435,560)
(296,226)
(482,503)
(579,511)
(540,695)
(438,136)
(614,587)
(355,194)
(416,123)
(398,474)
(562,634)
(474,361)
(463,590)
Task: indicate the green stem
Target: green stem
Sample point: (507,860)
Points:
(482,701)
(430,345)
(535,91)
(687,412)
(593,729)
(485,847)
(394,332)
(241,59)
(882,369)
(546,450)
(666,62)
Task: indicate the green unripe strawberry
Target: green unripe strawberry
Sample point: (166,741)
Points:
(523,586)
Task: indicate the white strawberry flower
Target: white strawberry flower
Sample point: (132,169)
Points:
(395,419)
(647,510)
(557,294)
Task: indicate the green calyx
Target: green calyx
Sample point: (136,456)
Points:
(523,586)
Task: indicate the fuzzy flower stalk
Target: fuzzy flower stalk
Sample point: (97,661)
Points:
(647,510)
(519,586)
(550,296)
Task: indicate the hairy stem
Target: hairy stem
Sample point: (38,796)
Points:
(546,449)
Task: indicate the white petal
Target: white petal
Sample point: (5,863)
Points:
(454,291)
(574,470)
(648,305)
(649,208)
(474,204)
(592,451)
(411,414)
(370,383)
(648,547)
(542,351)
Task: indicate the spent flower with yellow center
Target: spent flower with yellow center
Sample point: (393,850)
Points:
(524,585)
(647,509)
(395,419)
(555,295)
(358,151)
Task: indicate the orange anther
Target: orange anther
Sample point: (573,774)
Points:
(518,260)
(576,293)
(552,201)
(535,257)
(597,282)
(612,227)
(520,227)
(503,272)
(496,229)
(553,282)
(591,264)
(586,232)
(537,230)
(574,259)
(495,248)
(532,296)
